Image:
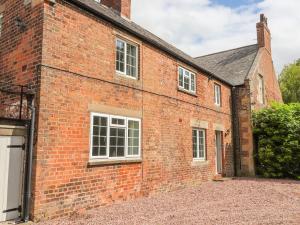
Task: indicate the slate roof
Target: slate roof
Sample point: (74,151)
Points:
(131,27)
(231,65)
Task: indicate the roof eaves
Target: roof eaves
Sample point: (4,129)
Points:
(161,47)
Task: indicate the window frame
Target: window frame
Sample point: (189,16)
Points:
(190,80)
(218,101)
(125,58)
(109,125)
(197,158)
(261,89)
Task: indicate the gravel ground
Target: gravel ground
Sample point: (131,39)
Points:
(240,201)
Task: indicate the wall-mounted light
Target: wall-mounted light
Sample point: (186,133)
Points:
(227,132)
(20,24)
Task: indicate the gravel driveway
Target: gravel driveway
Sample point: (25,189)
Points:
(240,201)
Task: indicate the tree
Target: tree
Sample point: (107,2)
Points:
(277,131)
(289,81)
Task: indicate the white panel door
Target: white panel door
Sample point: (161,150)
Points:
(219,152)
(11,173)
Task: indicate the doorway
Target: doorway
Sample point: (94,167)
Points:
(219,152)
(11,174)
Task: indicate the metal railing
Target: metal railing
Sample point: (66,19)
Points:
(14,101)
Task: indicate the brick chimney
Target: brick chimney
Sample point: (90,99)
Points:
(263,33)
(123,7)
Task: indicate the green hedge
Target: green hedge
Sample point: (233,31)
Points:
(277,131)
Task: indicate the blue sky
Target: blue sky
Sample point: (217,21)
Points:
(200,27)
(235,3)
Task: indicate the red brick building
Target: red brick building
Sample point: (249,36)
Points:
(119,112)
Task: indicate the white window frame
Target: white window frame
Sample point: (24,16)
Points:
(125,59)
(109,125)
(1,23)
(198,158)
(217,94)
(190,74)
(261,89)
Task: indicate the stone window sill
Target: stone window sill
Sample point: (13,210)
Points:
(187,92)
(103,162)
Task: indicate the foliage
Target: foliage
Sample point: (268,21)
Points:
(289,81)
(277,130)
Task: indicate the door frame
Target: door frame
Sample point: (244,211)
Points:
(217,152)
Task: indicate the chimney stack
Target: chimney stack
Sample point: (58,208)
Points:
(263,33)
(123,7)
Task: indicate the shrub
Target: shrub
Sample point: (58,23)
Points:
(277,131)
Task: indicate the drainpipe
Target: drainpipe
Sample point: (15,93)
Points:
(28,167)
(235,130)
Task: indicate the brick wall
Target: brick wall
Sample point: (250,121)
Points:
(20,50)
(79,71)
(249,102)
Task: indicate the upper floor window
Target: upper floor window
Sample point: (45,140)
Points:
(217,94)
(115,137)
(186,80)
(1,23)
(127,58)
(261,89)
(199,144)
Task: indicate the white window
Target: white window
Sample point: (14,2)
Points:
(261,89)
(1,23)
(186,80)
(126,59)
(114,137)
(97,1)
(217,94)
(199,144)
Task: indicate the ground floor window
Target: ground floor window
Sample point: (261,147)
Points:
(199,144)
(115,136)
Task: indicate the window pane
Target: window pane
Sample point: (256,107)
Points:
(201,144)
(116,121)
(217,94)
(194,143)
(180,77)
(131,59)
(120,56)
(133,137)
(186,83)
(99,138)
(117,142)
(193,82)
(1,22)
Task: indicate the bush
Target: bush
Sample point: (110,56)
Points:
(277,131)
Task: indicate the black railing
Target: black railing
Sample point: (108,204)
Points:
(14,101)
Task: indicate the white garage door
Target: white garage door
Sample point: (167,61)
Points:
(11,171)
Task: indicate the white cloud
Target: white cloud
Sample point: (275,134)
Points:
(199,27)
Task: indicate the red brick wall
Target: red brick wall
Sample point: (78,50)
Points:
(248,102)
(83,47)
(265,68)
(20,51)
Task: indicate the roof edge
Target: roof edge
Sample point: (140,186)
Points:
(161,47)
(215,53)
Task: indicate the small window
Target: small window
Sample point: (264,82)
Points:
(199,144)
(127,59)
(217,94)
(1,23)
(186,80)
(261,89)
(114,137)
